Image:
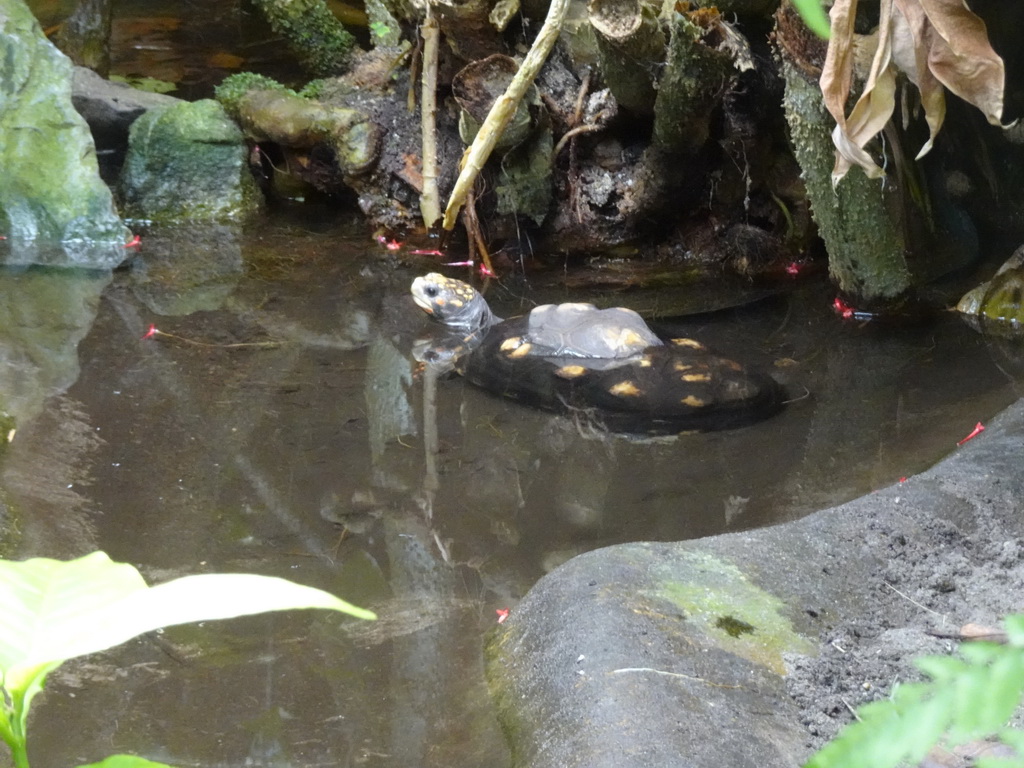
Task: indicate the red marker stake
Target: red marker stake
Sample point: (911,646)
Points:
(978,429)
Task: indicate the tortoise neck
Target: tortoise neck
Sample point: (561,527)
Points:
(488,318)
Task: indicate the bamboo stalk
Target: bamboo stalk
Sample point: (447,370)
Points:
(430,200)
(504,108)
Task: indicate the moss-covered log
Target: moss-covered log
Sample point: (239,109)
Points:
(85,35)
(695,78)
(860,220)
(279,115)
(318,40)
(631,47)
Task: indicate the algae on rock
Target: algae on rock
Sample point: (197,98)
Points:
(187,162)
(52,191)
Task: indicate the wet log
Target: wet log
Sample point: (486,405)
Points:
(292,121)
(319,41)
(860,220)
(631,49)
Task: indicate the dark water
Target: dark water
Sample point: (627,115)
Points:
(277,425)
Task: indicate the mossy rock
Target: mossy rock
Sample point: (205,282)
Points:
(996,305)
(187,162)
(51,190)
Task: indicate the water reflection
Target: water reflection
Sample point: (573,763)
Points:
(280,427)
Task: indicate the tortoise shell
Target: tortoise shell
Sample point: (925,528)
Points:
(608,363)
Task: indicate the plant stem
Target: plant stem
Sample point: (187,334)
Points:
(13,736)
(20,755)
(504,108)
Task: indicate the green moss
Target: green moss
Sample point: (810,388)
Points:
(740,617)
(187,162)
(311,31)
(859,220)
(314,89)
(233,88)
(733,626)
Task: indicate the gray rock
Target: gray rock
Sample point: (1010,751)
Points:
(110,108)
(187,162)
(746,649)
(54,208)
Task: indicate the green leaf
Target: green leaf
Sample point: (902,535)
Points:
(924,723)
(940,668)
(814,17)
(891,730)
(1014,626)
(125,761)
(55,610)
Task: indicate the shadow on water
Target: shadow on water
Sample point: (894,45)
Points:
(276,425)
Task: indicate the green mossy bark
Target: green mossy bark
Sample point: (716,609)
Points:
(860,220)
(85,35)
(631,49)
(292,121)
(690,89)
(318,40)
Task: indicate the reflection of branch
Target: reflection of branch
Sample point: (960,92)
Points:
(430,206)
(503,109)
(431,482)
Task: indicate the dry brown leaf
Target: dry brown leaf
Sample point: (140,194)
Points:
(961,57)
(981,632)
(935,43)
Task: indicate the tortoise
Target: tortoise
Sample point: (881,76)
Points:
(608,362)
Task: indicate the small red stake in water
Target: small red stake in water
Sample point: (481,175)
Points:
(978,429)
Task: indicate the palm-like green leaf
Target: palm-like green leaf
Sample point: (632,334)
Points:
(814,16)
(55,610)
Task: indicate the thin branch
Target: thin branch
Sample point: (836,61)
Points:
(430,200)
(503,109)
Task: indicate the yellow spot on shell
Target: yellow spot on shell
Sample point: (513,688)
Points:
(645,362)
(679,365)
(630,338)
(696,377)
(521,351)
(693,402)
(625,389)
(691,343)
(512,342)
(570,371)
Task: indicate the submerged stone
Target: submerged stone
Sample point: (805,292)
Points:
(54,208)
(996,305)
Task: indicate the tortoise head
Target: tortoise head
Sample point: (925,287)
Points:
(452,302)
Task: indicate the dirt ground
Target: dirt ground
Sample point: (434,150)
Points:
(949,573)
